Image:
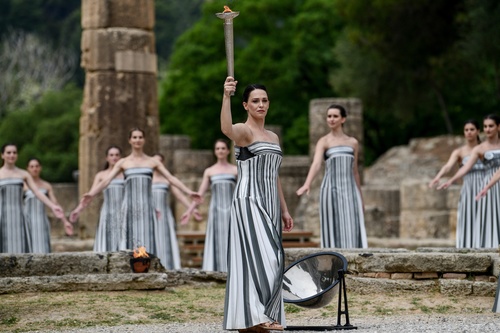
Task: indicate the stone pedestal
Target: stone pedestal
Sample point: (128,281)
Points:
(118,55)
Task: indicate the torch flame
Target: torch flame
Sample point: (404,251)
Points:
(227,10)
(140,252)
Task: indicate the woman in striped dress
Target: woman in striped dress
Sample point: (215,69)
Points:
(138,216)
(107,237)
(472,182)
(221,177)
(341,204)
(35,210)
(14,228)
(254,301)
(487,221)
(167,248)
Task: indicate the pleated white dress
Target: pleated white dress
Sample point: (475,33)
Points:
(167,248)
(14,227)
(38,220)
(138,212)
(468,205)
(107,238)
(487,221)
(256,258)
(215,249)
(341,209)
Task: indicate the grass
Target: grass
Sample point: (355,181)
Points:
(194,304)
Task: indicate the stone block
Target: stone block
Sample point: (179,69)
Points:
(402,276)
(455,287)
(416,195)
(192,162)
(99,47)
(118,13)
(456,276)
(382,275)
(482,278)
(90,282)
(487,289)
(496,266)
(422,262)
(380,286)
(425,275)
(133,61)
(422,224)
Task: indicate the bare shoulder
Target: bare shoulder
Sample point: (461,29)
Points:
(274,137)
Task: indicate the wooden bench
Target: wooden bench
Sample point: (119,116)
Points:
(191,244)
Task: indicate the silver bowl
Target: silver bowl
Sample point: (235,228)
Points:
(313,281)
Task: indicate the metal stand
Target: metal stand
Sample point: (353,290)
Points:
(340,312)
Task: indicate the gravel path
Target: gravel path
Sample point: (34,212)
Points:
(483,323)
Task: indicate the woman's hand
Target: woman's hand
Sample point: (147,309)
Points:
(302,190)
(287,222)
(230,86)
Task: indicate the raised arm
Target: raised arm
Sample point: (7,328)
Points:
(314,169)
(239,133)
(474,156)
(454,158)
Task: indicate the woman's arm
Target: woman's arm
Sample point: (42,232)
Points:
(474,156)
(239,133)
(285,215)
(355,172)
(176,182)
(68,227)
(495,178)
(314,169)
(56,209)
(454,158)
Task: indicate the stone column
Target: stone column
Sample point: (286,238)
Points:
(118,55)
(318,127)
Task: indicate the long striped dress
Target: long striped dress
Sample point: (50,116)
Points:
(14,228)
(38,220)
(138,212)
(468,205)
(341,208)
(256,258)
(487,222)
(167,248)
(215,250)
(107,238)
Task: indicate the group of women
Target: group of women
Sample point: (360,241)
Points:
(478,218)
(24,225)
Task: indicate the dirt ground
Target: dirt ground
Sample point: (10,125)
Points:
(189,304)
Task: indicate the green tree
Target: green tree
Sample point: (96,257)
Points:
(47,130)
(285,44)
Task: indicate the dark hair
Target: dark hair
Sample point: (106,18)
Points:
(250,88)
(493,117)
(475,123)
(33,159)
(161,156)
(136,129)
(8,144)
(106,165)
(223,141)
(343,112)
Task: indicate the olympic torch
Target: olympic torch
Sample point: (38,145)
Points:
(228,15)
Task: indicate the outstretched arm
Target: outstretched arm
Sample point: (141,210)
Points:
(474,156)
(314,169)
(56,209)
(454,158)
(176,182)
(68,227)
(495,178)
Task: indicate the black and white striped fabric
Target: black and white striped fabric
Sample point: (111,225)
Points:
(167,248)
(38,220)
(14,228)
(256,258)
(468,205)
(107,236)
(138,212)
(215,250)
(487,222)
(341,210)
(496,304)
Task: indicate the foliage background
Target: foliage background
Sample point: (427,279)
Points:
(421,68)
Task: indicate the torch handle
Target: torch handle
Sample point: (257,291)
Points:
(229,43)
